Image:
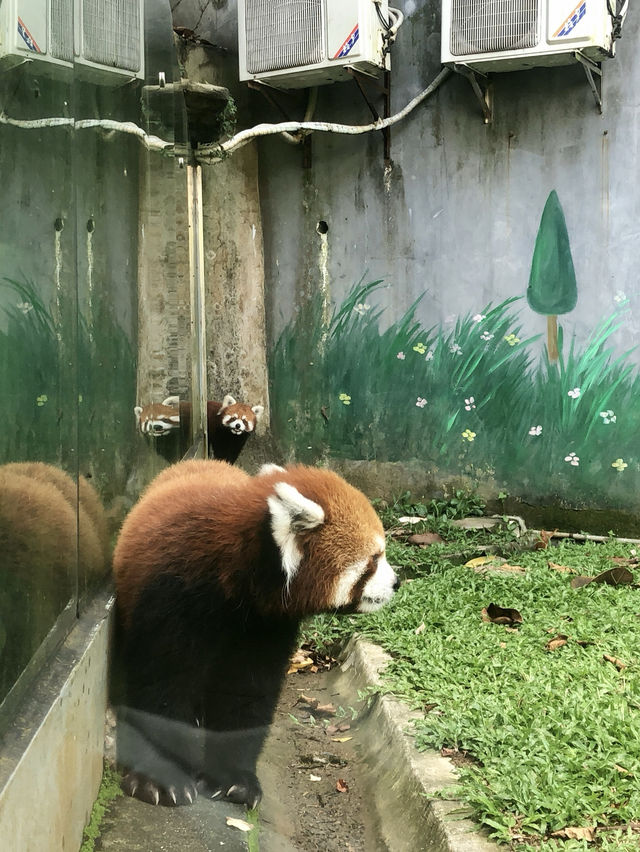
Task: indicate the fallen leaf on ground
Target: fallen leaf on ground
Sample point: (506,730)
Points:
(342,786)
(315,778)
(557,642)
(544,540)
(624,560)
(300,660)
(341,739)
(501,615)
(420,629)
(240,824)
(621,769)
(334,729)
(618,576)
(425,539)
(563,568)
(616,662)
(576,833)
(479,561)
(410,520)
(518,569)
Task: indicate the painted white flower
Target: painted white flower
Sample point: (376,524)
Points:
(486,335)
(361,308)
(401,356)
(574,394)
(455,349)
(619,465)
(620,297)
(429,356)
(573,459)
(479,317)
(535,430)
(420,402)
(25,307)
(608,417)
(469,403)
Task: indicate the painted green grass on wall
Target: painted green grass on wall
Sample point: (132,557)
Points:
(472,398)
(66,386)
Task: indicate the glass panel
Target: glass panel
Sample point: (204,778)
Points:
(38,303)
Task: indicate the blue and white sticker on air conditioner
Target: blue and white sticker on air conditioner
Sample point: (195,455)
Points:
(347,45)
(26,36)
(572,20)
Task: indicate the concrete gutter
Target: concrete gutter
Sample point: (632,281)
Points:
(404,781)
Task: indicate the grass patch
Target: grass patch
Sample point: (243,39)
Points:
(108,792)
(554,734)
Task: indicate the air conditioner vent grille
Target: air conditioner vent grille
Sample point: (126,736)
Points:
(283,34)
(62,30)
(487,26)
(111,33)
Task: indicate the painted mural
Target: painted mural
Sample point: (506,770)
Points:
(477,398)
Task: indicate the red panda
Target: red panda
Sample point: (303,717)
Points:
(229,424)
(214,570)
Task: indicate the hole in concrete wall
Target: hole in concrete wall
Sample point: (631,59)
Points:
(322,227)
(58,224)
(91,225)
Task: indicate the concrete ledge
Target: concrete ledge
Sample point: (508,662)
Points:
(402,774)
(51,757)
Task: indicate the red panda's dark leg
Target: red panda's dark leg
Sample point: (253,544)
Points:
(240,700)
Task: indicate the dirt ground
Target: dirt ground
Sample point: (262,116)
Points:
(316,794)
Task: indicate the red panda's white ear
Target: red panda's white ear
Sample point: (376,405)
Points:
(270,467)
(137,411)
(257,410)
(228,400)
(291,513)
(171,401)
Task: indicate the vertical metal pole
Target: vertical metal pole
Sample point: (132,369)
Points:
(198,324)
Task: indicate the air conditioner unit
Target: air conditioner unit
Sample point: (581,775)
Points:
(103,39)
(292,44)
(509,35)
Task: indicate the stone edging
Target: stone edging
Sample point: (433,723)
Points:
(404,779)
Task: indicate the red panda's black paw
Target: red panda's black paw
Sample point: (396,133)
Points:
(140,787)
(245,790)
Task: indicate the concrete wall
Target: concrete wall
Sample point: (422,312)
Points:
(451,225)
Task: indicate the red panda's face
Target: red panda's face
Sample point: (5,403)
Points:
(157,419)
(238,417)
(331,543)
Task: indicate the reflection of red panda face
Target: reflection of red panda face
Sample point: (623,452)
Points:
(159,418)
(229,423)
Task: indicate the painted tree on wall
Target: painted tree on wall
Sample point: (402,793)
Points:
(552,286)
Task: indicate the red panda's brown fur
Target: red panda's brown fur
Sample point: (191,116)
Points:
(152,539)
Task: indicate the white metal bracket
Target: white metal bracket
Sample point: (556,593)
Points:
(593,72)
(481,88)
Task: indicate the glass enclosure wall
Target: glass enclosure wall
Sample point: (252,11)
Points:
(89,224)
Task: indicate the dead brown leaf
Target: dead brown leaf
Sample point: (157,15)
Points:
(342,786)
(501,615)
(618,576)
(420,629)
(624,560)
(516,569)
(616,661)
(544,540)
(564,568)
(557,642)
(299,661)
(341,739)
(574,832)
(240,824)
(425,539)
